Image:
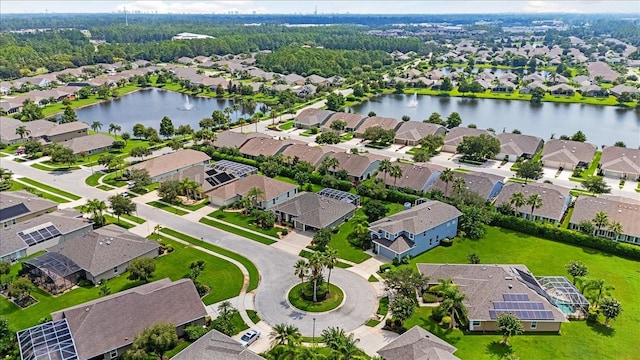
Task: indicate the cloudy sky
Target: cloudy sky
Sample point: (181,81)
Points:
(631,7)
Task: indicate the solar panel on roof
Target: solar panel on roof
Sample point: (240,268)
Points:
(211,172)
(39,235)
(524,314)
(223,177)
(13,211)
(515,297)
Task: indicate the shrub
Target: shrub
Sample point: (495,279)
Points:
(85,283)
(429,298)
(437,314)
(446,320)
(446,242)
(284,232)
(170,248)
(194,332)
(385,268)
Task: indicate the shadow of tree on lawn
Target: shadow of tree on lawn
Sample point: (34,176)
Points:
(499,350)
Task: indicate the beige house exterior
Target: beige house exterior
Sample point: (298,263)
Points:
(273,191)
(169,164)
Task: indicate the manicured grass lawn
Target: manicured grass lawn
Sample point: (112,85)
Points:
(314,187)
(341,243)
(224,278)
(346,137)
(372,279)
(545,257)
(50,188)
(238,324)
(166,207)
(246,222)
(93,180)
(48,168)
(332,302)
(114,179)
(286,125)
(134,219)
(114,220)
(593,167)
(383,306)
(254,276)
(105,187)
(239,232)
(194,207)
(45,195)
(253,315)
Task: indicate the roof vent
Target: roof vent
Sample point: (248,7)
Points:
(510,286)
(508,278)
(108,242)
(484,268)
(428,207)
(86,309)
(100,243)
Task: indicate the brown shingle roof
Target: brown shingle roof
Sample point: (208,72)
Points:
(417,219)
(310,154)
(515,145)
(418,344)
(455,135)
(553,198)
(67,127)
(484,284)
(479,182)
(384,122)
(313,117)
(271,188)
(172,162)
(88,143)
(415,130)
(414,176)
(314,210)
(353,163)
(231,139)
(568,151)
(625,211)
(113,321)
(262,146)
(620,159)
(216,345)
(351,119)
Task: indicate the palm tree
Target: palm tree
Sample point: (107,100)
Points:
(241,121)
(330,163)
(599,287)
(96,126)
(454,303)
(301,269)
(189,187)
(96,208)
(616,229)
(157,228)
(254,194)
(446,176)
(316,263)
(284,334)
(227,111)
(331,259)
(600,220)
(395,172)
(385,166)
(236,107)
(444,286)
(458,185)
(114,128)
(517,200)
(22,131)
(535,201)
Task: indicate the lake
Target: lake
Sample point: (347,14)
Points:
(602,124)
(149,106)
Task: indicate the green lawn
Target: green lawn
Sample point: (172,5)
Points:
(114,220)
(239,232)
(166,207)
(346,137)
(254,276)
(44,195)
(194,207)
(545,257)
(134,219)
(286,125)
(593,167)
(50,189)
(114,179)
(93,180)
(48,168)
(297,301)
(246,222)
(341,243)
(105,187)
(224,278)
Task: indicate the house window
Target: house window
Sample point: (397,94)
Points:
(13,221)
(5,224)
(437,237)
(113,354)
(476,323)
(273,201)
(534,325)
(115,269)
(411,236)
(430,241)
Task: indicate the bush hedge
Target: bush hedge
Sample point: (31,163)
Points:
(429,298)
(551,232)
(446,242)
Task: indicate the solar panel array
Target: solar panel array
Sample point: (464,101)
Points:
(39,235)
(51,340)
(515,297)
(524,314)
(517,305)
(13,211)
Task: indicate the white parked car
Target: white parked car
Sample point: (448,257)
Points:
(249,337)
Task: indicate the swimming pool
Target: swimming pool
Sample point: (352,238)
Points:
(567,309)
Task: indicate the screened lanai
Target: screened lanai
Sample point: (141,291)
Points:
(48,341)
(53,272)
(340,195)
(565,295)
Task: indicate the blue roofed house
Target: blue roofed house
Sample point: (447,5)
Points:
(415,230)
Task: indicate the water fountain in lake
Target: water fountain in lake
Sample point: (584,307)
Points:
(187,106)
(414,100)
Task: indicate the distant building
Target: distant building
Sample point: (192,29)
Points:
(190,36)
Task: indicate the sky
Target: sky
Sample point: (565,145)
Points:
(631,7)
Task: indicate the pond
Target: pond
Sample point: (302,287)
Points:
(149,106)
(603,125)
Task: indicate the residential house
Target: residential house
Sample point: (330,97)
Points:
(619,209)
(304,90)
(359,167)
(382,122)
(315,79)
(530,87)
(602,70)
(216,345)
(535,77)
(273,191)
(294,79)
(492,289)
(106,327)
(620,89)
(336,80)
(567,154)
(561,89)
(555,200)
(556,79)
(95,255)
(185,60)
(311,154)
(455,136)
(258,146)
(515,146)
(418,344)
(416,177)
(411,132)
(312,117)
(504,86)
(19,206)
(621,163)
(11,106)
(35,129)
(312,212)
(233,139)
(353,120)
(90,144)
(27,237)
(488,186)
(168,164)
(66,131)
(592,91)
(415,230)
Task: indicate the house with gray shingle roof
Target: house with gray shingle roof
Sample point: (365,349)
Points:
(90,144)
(411,132)
(303,152)
(418,344)
(489,290)
(418,177)
(257,146)
(555,200)
(273,191)
(359,167)
(514,146)
(623,210)
(216,345)
(168,164)
(488,186)
(384,122)
(19,206)
(567,154)
(455,136)
(312,212)
(621,163)
(415,230)
(353,120)
(312,117)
